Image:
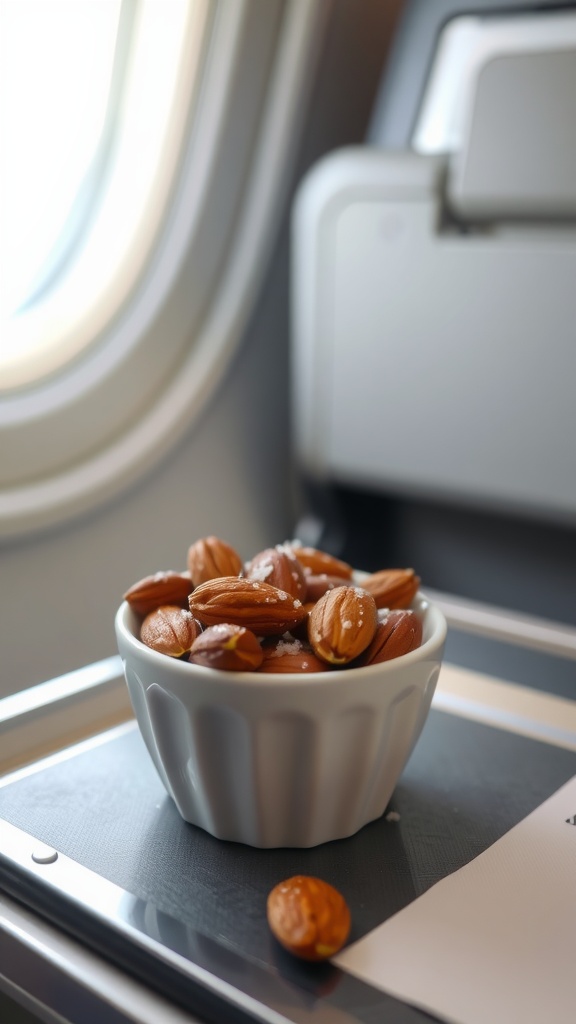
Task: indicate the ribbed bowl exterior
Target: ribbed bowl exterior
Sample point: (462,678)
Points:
(281,760)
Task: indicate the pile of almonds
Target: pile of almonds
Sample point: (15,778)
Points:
(290,609)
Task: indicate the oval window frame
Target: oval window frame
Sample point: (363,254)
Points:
(195,289)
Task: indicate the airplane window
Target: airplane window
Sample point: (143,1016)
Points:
(157,189)
(71,52)
(87,130)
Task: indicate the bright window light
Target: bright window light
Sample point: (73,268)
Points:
(111,355)
(55,77)
(76,222)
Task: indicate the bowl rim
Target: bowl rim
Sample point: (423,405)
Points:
(282,679)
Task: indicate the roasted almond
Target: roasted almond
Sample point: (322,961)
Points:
(309,917)
(258,606)
(342,624)
(170,630)
(288,654)
(398,633)
(209,558)
(160,589)
(319,562)
(227,647)
(318,584)
(280,568)
(392,588)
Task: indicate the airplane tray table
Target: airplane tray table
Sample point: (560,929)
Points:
(186,913)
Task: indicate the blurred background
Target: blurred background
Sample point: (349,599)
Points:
(285,268)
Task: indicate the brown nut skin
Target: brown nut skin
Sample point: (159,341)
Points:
(309,917)
(318,562)
(289,654)
(210,558)
(342,624)
(162,588)
(170,630)
(280,568)
(228,648)
(301,630)
(318,583)
(258,606)
(392,588)
(398,633)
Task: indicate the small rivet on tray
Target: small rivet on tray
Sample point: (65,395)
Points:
(42,854)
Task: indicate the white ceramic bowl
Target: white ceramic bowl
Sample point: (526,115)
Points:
(281,760)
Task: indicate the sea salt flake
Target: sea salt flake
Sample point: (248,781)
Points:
(262,572)
(347,624)
(287,647)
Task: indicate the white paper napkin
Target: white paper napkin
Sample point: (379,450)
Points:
(495,942)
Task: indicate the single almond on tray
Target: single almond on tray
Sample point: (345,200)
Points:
(392,588)
(227,647)
(308,916)
(280,568)
(342,624)
(160,589)
(398,633)
(317,562)
(170,630)
(209,558)
(259,606)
